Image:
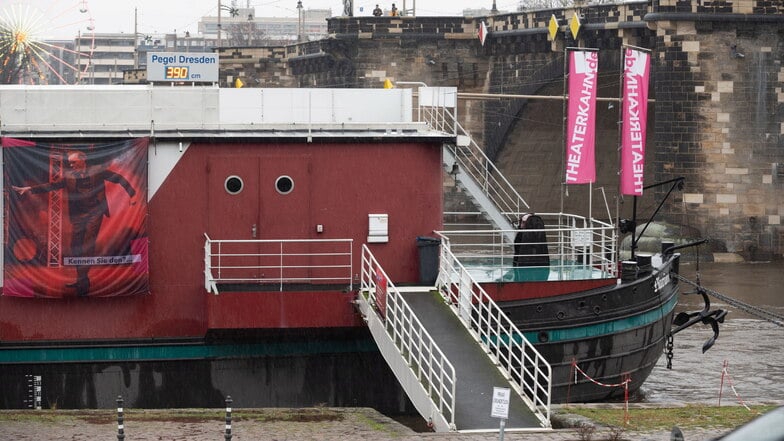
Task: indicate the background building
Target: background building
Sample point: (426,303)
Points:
(112,54)
(246,26)
(115,53)
(61,57)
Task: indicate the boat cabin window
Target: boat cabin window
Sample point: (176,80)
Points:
(233,184)
(284,185)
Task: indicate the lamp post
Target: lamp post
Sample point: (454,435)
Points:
(233,12)
(251,28)
(299,21)
(135,38)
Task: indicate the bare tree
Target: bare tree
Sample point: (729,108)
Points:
(534,5)
(246,34)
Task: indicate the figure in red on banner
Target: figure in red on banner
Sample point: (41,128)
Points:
(85,190)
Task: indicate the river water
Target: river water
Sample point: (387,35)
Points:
(752,348)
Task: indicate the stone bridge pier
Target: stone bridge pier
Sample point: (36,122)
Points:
(716,115)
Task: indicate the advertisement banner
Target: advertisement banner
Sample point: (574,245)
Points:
(634,120)
(75,219)
(581,117)
(381,293)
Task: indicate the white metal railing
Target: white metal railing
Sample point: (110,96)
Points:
(525,368)
(471,158)
(433,370)
(290,261)
(578,248)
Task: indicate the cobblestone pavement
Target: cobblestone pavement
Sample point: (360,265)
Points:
(328,424)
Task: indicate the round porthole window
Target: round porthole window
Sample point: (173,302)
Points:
(284,185)
(233,184)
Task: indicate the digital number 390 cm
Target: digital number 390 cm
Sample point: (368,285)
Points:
(176,73)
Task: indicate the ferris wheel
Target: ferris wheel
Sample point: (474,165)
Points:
(45,41)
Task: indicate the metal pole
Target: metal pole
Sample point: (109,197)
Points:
(79,56)
(135,38)
(219,23)
(501,431)
(299,21)
(498,96)
(250,28)
(228,418)
(120,425)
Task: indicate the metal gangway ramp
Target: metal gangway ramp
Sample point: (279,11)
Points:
(447,369)
(475,371)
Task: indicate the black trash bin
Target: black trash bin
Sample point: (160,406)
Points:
(428,259)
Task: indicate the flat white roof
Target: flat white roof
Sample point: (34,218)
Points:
(165,112)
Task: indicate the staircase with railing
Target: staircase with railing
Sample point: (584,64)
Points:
(521,364)
(420,366)
(449,349)
(467,162)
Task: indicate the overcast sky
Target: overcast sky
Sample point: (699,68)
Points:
(164,16)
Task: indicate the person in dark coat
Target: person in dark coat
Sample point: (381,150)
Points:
(530,245)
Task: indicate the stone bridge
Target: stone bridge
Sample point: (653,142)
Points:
(716,111)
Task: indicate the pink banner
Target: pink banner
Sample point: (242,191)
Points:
(581,117)
(381,293)
(634,120)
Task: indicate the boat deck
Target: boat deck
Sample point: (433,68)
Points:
(494,274)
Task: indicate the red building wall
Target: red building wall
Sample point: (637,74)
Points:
(336,185)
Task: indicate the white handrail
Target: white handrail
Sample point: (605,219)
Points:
(473,161)
(314,261)
(434,371)
(525,368)
(209,280)
(578,249)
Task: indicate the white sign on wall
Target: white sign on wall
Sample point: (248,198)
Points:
(179,66)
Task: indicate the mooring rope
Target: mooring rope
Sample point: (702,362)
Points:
(627,380)
(756,311)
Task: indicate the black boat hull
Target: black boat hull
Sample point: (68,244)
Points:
(596,340)
(284,368)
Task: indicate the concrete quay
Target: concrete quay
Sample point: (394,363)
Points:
(323,424)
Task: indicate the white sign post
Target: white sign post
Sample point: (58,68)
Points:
(500,407)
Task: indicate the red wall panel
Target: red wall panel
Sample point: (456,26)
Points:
(345,183)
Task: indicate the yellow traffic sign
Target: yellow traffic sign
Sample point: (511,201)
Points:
(553,27)
(574,26)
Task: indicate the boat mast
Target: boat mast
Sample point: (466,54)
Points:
(565,98)
(618,194)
